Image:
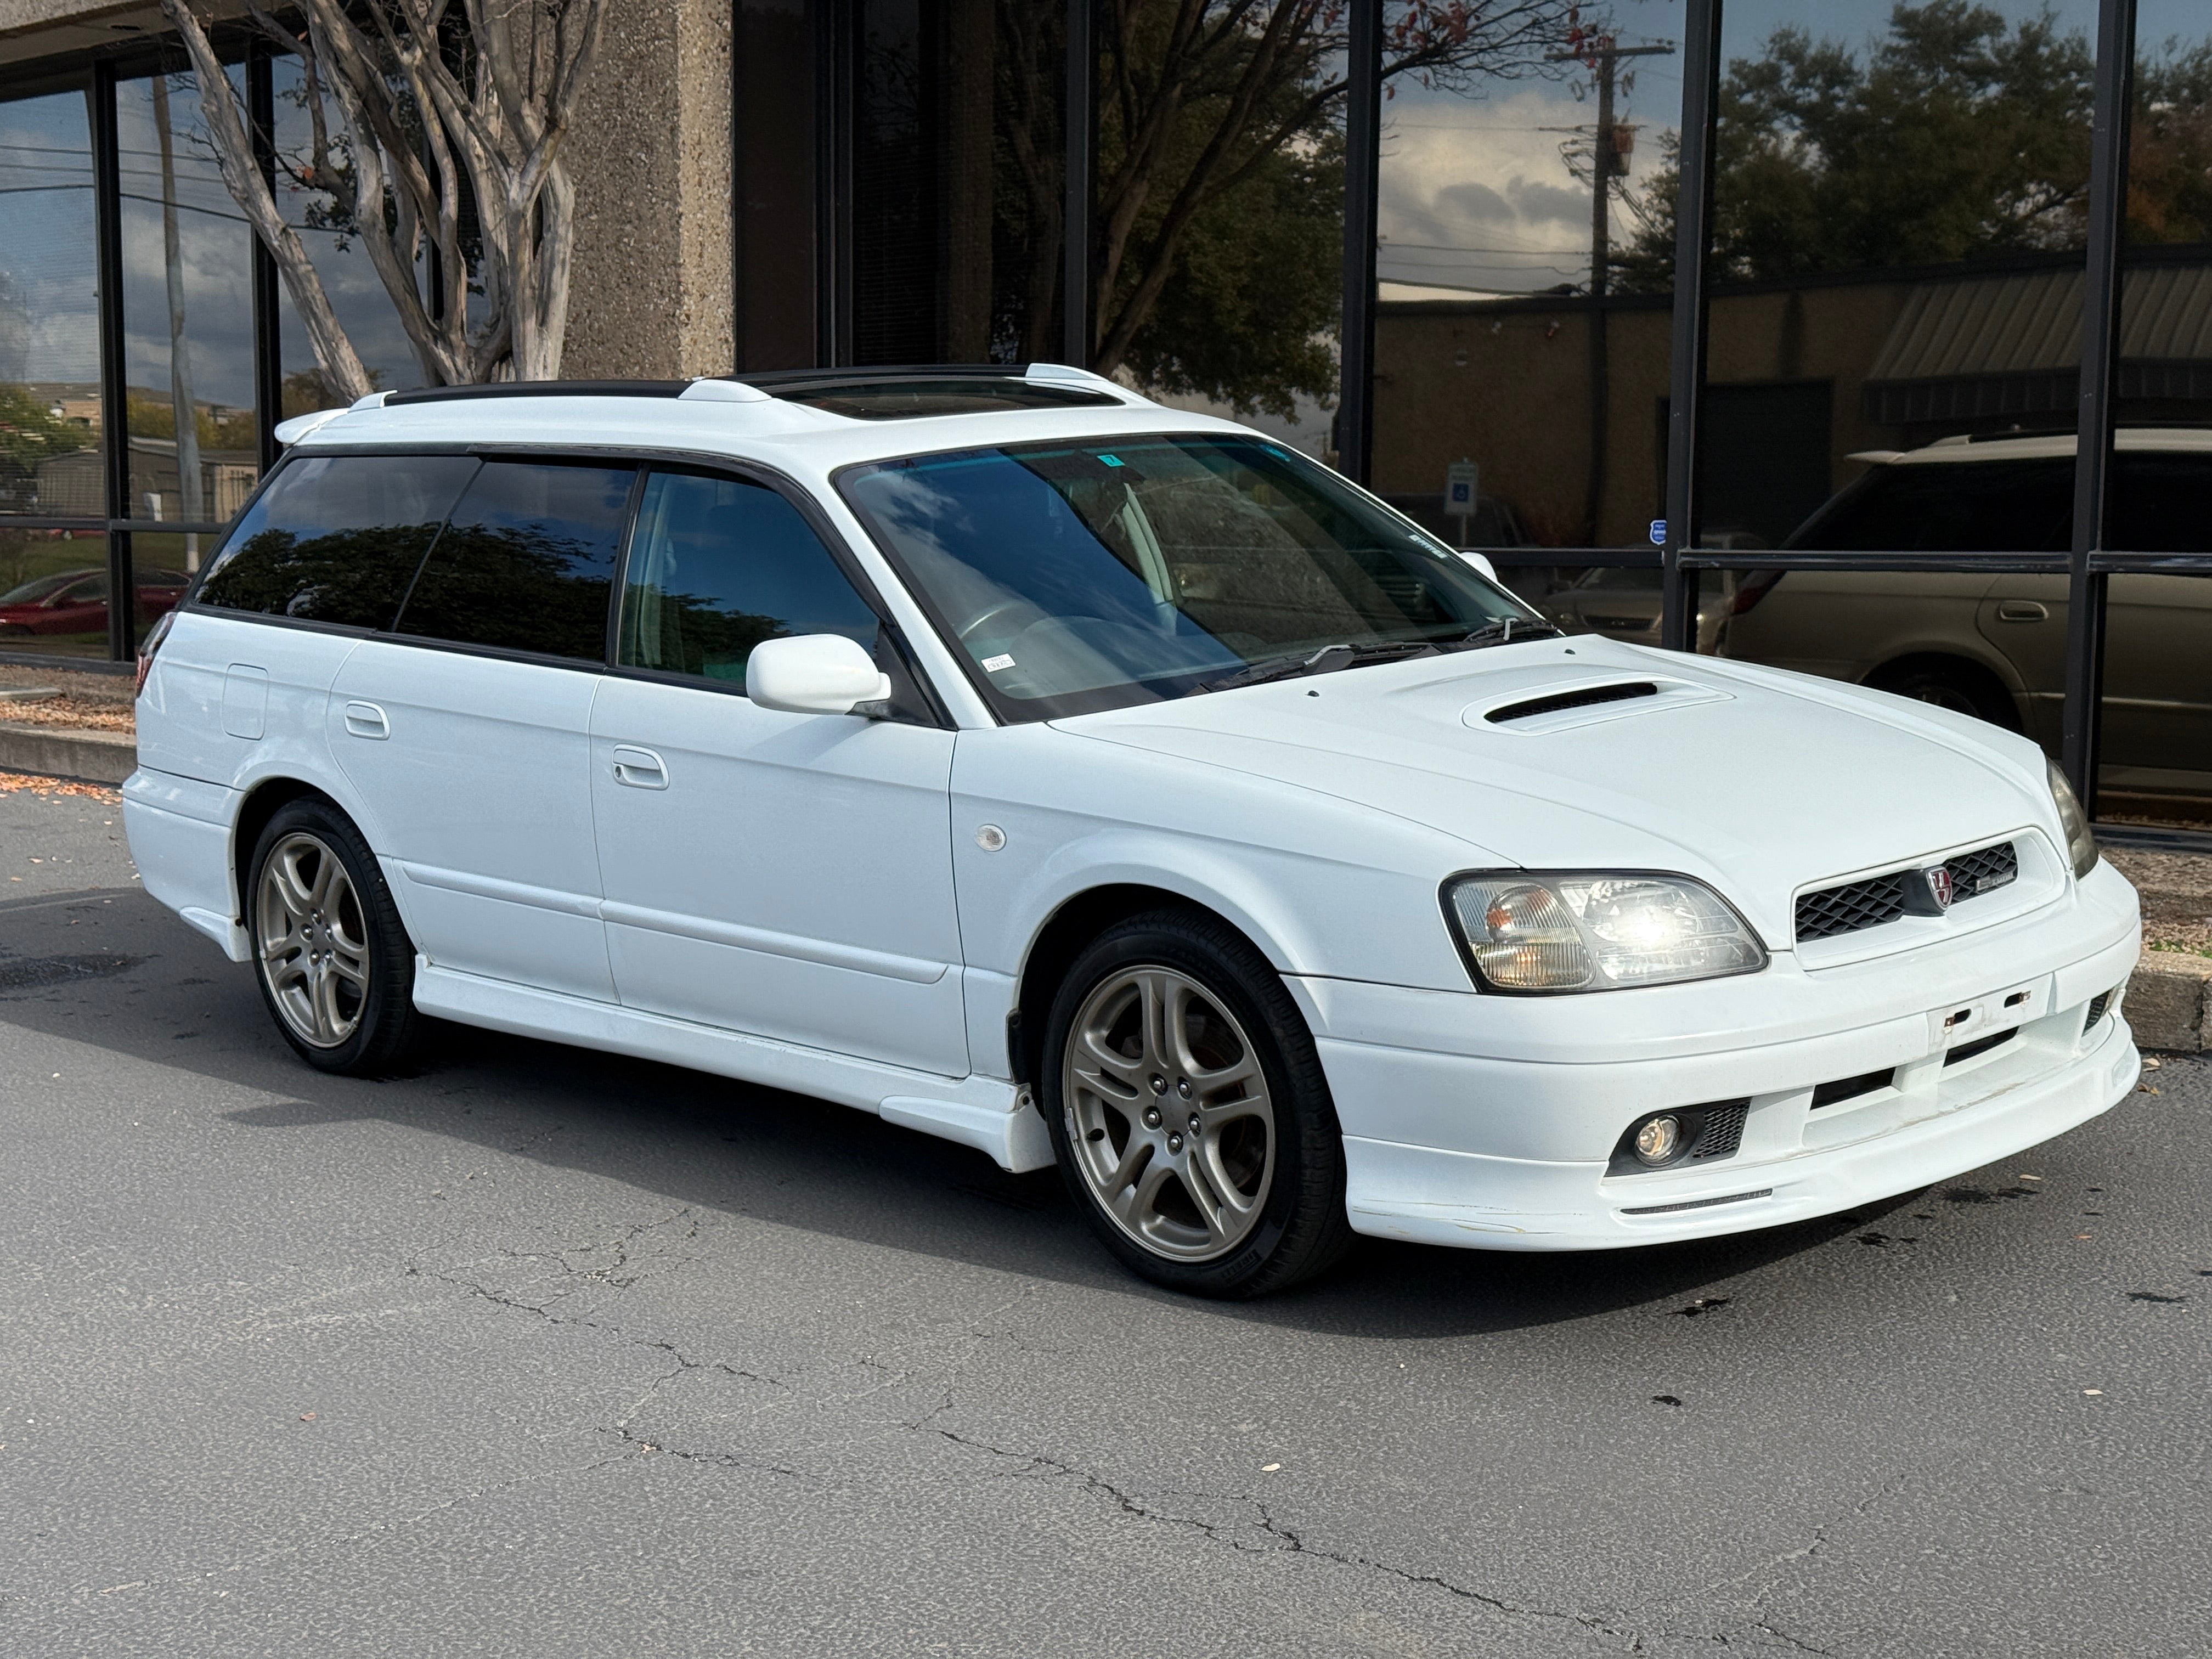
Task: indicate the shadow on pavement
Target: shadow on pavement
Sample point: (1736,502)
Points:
(770,1156)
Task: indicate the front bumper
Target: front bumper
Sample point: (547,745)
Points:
(1486,1125)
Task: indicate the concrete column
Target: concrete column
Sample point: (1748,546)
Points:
(651,161)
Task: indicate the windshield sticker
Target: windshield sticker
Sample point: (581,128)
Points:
(997,664)
(1109,460)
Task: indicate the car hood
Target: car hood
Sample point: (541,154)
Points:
(1757,781)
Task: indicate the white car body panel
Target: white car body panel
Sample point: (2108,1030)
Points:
(807,904)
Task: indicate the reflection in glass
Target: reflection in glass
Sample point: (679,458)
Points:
(1219,211)
(1900,203)
(775,183)
(956,201)
(357,295)
(717,566)
(51,464)
(1524,262)
(188,314)
(526,563)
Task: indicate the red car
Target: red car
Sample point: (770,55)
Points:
(76,601)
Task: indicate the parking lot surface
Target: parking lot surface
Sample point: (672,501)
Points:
(541,1352)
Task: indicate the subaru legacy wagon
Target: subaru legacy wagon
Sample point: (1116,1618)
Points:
(1103,784)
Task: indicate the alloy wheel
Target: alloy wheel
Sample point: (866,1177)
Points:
(312,941)
(1168,1116)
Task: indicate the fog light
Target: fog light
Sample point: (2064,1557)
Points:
(1658,1138)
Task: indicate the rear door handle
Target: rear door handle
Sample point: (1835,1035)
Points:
(2022,611)
(641,769)
(366,719)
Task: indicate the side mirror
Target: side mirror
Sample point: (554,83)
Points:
(1482,564)
(814,674)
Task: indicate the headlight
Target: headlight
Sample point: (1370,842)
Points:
(1595,932)
(2081,845)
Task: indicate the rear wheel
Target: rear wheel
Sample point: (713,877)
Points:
(337,968)
(1964,688)
(1193,1123)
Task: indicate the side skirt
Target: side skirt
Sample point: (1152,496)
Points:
(989,1113)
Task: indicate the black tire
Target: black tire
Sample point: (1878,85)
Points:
(1294,1225)
(376,1028)
(1964,688)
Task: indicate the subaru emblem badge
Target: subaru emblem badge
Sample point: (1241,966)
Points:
(1938,878)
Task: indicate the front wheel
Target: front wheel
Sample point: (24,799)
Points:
(1189,1112)
(335,966)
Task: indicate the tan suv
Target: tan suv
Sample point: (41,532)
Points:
(1995,646)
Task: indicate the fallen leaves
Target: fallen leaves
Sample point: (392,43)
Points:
(54,788)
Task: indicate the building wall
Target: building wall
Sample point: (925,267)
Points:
(652,296)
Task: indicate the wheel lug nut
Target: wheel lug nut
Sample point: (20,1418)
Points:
(1182,1087)
(1194,1123)
(1159,1086)
(1174,1143)
(1151,1117)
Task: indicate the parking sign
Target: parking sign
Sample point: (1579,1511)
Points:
(1462,479)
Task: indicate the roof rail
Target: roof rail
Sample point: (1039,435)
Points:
(438,394)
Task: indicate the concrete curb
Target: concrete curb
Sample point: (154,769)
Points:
(2170,1001)
(56,752)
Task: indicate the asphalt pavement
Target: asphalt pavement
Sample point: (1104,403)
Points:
(543,1352)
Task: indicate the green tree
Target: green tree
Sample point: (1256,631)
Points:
(1955,134)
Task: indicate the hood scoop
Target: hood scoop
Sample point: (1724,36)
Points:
(1584,700)
(1559,701)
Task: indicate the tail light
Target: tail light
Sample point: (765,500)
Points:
(1754,586)
(149,645)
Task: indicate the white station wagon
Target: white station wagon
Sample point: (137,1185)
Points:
(1100,784)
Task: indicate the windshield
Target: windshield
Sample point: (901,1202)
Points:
(1076,577)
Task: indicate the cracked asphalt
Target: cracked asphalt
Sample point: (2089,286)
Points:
(540,1353)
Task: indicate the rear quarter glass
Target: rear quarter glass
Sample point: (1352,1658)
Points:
(337,539)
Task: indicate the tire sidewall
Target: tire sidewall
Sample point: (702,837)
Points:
(1305,1126)
(388,1006)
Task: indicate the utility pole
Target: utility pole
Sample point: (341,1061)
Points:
(1609,152)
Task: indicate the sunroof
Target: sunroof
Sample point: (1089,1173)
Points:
(909,399)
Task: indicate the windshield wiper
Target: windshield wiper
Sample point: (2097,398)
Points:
(1326,660)
(1504,631)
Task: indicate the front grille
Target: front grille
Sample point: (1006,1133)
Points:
(1856,905)
(1980,1046)
(1851,1088)
(1981,870)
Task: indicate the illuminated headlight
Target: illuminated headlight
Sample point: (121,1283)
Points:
(2081,845)
(1530,932)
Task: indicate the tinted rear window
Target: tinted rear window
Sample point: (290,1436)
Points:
(527,562)
(1964,507)
(337,539)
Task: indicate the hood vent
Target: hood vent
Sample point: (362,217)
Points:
(1559,701)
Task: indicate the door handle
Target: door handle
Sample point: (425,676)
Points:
(366,719)
(2022,611)
(640,769)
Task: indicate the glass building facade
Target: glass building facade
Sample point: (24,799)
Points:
(1871,339)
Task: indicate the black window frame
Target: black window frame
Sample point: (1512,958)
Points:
(918,701)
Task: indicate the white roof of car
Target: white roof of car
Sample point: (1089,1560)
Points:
(733,418)
(2041,446)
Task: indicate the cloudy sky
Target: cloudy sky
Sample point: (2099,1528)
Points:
(1477,198)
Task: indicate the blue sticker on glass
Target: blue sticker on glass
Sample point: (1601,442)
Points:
(1658,532)
(1109,460)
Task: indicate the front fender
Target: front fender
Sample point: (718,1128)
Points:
(1320,885)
